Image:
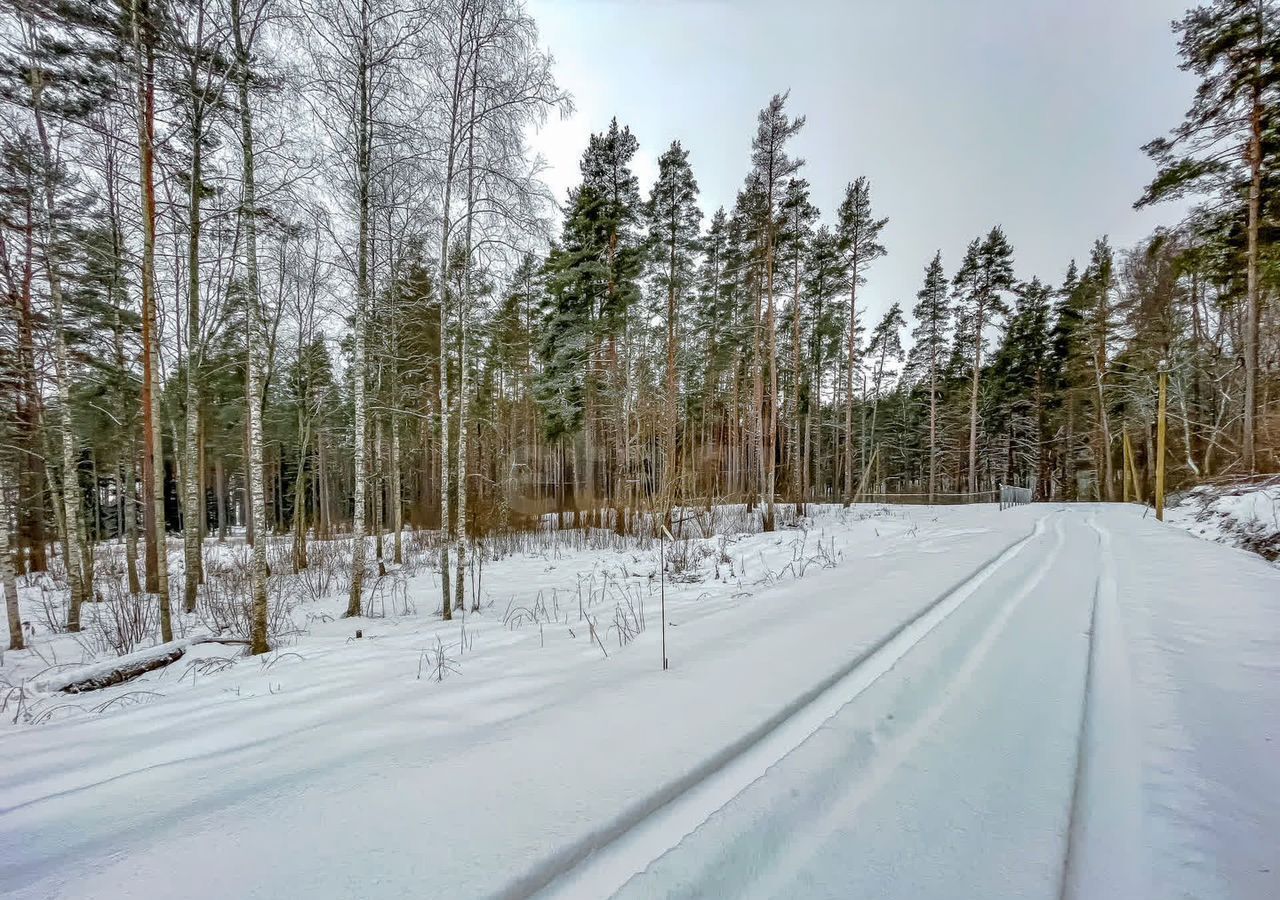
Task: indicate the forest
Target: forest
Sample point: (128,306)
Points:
(288,270)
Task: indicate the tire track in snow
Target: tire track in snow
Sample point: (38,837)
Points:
(891,755)
(600,864)
(1104,840)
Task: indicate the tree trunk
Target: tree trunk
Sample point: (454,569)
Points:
(973,401)
(77,576)
(258,642)
(397,493)
(933,426)
(193,505)
(364,132)
(7,577)
(1253,308)
(852,350)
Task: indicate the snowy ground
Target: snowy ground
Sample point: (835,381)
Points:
(949,702)
(1245,514)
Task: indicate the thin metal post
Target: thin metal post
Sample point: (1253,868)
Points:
(1160,439)
(662,590)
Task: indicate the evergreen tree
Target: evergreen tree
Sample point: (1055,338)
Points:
(933,317)
(884,348)
(1098,284)
(674,222)
(985,275)
(824,285)
(795,234)
(1022,370)
(1233,47)
(771,169)
(859,234)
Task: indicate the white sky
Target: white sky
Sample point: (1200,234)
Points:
(963,113)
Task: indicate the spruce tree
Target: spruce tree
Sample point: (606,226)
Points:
(1022,371)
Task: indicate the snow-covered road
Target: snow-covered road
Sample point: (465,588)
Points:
(1045,702)
(951,774)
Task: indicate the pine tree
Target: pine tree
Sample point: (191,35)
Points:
(824,286)
(933,315)
(884,348)
(771,169)
(1233,47)
(674,222)
(797,218)
(1069,370)
(613,211)
(859,234)
(985,275)
(1099,286)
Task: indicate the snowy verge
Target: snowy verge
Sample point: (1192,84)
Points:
(1243,514)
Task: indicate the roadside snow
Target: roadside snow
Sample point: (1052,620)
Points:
(1245,515)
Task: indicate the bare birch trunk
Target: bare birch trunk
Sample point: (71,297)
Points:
(397,491)
(364,129)
(258,642)
(77,577)
(7,577)
(193,505)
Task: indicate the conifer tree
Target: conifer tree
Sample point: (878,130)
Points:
(771,169)
(1233,47)
(859,233)
(797,219)
(933,317)
(1022,370)
(884,348)
(674,221)
(985,275)
(1099,286)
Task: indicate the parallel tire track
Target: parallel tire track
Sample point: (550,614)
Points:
(601,862)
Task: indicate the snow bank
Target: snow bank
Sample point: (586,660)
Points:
(1245,515)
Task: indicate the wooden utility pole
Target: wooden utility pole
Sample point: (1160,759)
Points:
(1131,472)
(1160,439)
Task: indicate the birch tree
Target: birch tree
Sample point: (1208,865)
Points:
(245,30)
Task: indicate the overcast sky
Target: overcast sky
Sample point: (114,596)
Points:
(963,113)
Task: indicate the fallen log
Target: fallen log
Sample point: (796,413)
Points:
(125,668)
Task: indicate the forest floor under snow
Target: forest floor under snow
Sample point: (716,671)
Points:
(891,702)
